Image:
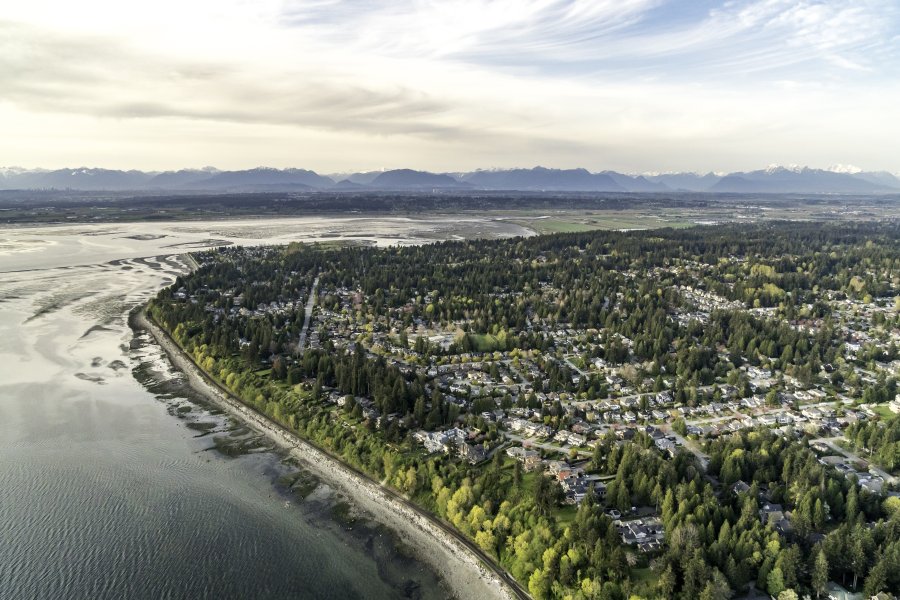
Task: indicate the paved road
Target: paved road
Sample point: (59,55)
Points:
(690,445)
(707,420)
(307,316)
(509,365)
(830,442)
(573,367)
(528,442)
(702,388)
(191,261)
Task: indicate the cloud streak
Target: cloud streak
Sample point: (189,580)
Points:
(627,84)
(56,73)
(651,36)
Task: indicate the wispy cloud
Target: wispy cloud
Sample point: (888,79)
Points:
(650,37)
(95,75)
(629,84)
(442,28)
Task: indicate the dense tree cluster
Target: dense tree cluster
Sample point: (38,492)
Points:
(240,316)
(878,439)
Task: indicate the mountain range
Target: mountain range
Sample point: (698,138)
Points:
(803,180)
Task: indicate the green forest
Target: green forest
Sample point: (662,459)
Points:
(787,299)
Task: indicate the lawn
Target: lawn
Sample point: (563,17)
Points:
(484,342)
(566,515)
(644,576)
(883,411)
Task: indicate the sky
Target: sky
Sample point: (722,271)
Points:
(450,85)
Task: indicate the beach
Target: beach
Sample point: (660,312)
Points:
(102,469)
(458,563)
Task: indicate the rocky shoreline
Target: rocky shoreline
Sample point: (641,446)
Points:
(460,568)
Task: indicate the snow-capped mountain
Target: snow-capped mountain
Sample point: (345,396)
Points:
(837,179)
(778,179)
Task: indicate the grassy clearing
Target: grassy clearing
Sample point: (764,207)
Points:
(560,226)
(576,221)
(882,411)
(644,576)
(566,515)
(484,342)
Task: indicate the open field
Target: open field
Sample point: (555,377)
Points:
(541,213)
(574,221)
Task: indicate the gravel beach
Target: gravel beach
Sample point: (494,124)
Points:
(462,570)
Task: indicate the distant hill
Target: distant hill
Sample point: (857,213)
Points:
(78,179)
(637,183)
(799,180)
(262,177)
(347,185)
(542,179)
(175,179)
(187,179)
(773,180)
(880,178)
(410,179)
(686,182)
(357,178)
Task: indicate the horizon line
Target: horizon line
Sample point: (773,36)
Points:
(837,168)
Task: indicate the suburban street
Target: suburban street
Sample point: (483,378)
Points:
(307,315)
(830,442)
(528,442)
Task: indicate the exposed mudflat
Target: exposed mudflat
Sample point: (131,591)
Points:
(28,248)
(129,484)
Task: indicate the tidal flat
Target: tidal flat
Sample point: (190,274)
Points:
(108,486)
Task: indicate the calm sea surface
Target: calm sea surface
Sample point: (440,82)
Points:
(110,483)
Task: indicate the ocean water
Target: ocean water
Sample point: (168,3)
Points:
(111,485)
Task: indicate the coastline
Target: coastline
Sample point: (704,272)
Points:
(459,563)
